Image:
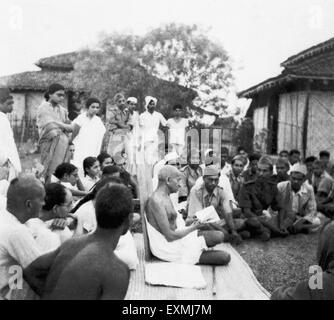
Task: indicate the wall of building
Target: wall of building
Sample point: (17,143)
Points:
(290,120)
(27,103)
(320,133)
(19,106)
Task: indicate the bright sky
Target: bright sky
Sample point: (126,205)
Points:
(258,34)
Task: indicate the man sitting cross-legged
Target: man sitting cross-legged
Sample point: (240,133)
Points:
(258,199)
(86,267)
(209,193)
(300,204)
(170,239)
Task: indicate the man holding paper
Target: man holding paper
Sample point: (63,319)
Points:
(170,240)
(210,195)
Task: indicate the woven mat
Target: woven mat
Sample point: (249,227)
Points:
(233,282)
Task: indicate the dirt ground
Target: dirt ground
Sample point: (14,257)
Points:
(279,261)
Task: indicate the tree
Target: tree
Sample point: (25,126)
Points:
(195,69)
(186,55)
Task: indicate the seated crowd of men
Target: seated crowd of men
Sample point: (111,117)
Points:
(59,243)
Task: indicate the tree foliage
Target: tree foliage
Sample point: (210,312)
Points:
(140,65)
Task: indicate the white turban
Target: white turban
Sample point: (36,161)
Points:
(148,99)
(132,99)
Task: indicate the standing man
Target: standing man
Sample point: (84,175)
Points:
(177,130)
(9,156)
(149,122)
(324,157)
(294,157)
(225,166)
(251,172)
(282,169)
(133,135)
(118,126)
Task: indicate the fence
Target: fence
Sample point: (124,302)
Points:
(24,129)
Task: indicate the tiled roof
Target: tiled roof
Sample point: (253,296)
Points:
(316,62)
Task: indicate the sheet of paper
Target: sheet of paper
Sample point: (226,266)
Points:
(208,214)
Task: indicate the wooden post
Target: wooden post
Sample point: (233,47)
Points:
(305,121)
(24,119)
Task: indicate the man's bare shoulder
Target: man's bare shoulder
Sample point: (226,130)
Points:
(92,274)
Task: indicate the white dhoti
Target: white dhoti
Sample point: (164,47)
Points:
(187,250)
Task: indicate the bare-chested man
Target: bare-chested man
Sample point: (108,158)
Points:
(185,244)
(86,268)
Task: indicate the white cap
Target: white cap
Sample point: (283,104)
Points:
(132,99)
(297,167)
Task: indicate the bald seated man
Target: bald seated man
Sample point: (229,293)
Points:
(25,198)
(86,268)
(184,244)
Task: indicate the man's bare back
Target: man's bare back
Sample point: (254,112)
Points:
(86,268)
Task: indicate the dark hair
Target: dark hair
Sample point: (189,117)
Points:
(114,204)
(283,151)
(224,150)
(177,107)
(324,153)
(55,194)
(92,100)
(88,163)
(241,149)
(318,163)
(294,151)
(310,159)
(64,168)
(52,89)
(254,156)
(110,170)
(284,162)
(98,186)
(103,156)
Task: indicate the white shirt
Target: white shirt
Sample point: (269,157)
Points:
(46,239)
(227,168)
(17,246)
(8,149)
(149,125)
(88,182)
(177,130)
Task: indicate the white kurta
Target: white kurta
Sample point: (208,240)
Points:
(177,131)
(8,149)
(88,142)
(149,126)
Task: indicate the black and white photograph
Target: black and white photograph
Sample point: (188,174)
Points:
(173,150)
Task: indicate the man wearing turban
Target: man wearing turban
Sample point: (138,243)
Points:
(149,122)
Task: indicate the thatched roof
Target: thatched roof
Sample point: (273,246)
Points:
(63,61)
(316,63)
(39,81)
